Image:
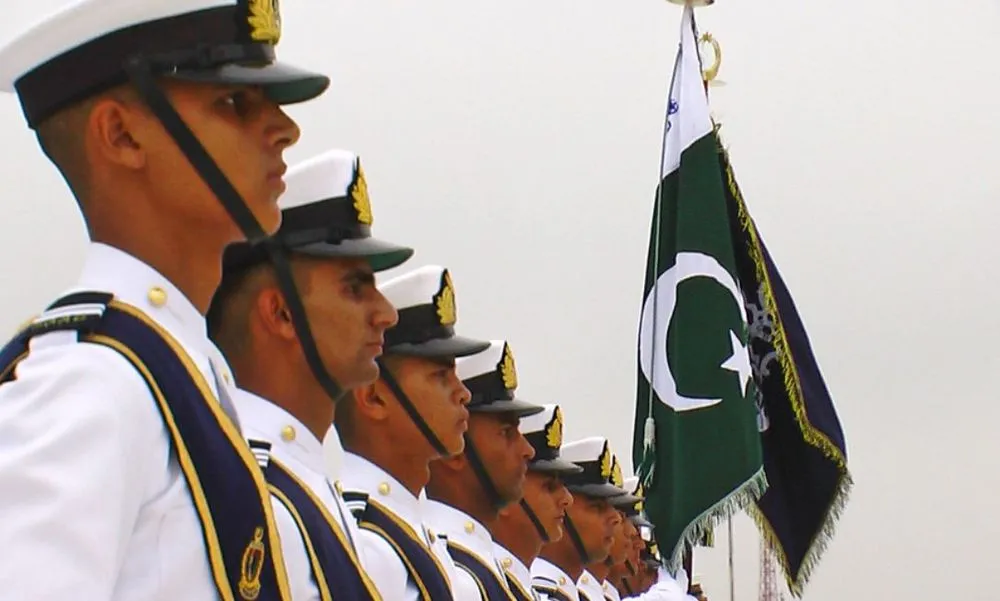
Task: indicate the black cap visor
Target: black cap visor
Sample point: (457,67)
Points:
(380,255)
(515,406)
(555,467)
(597,491)
(640,521)
(439,348)
(625,500)
(282,83)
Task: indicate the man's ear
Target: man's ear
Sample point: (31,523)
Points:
(116,131)
(371,402)
(273,313)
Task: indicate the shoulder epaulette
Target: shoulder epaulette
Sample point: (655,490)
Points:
(356,502)
(261,451)
(80,312)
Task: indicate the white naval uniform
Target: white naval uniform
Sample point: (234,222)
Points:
(590,587)
(298,449)
(610,592)
(545,574)
(386,568)
(465,531)
(96,505)
(514,569)
(666,588)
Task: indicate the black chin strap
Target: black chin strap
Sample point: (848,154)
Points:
(479,468)
(411,410)
(630,567)
(574,536)
(140,72)
(534,520)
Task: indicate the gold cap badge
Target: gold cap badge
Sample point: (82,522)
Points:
(616,473)
(264,18)
(554,431)
(606,462)
(359,193)
(445,301)
(507,368)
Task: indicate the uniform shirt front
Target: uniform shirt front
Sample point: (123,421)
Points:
(589,587)
(86,463)
(610,592)
(514,569)
(468,533)
(386,568)
(545,574)
(298,449)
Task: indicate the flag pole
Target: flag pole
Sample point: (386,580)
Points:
(732,578)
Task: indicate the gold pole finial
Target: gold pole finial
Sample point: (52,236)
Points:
(711,74)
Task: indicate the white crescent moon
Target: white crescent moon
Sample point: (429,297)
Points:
(661,302)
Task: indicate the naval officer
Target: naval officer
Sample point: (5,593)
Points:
(392,429)
(521,529)
(326,230)
(591,581)
(467,491)
(164,119)
(589,523)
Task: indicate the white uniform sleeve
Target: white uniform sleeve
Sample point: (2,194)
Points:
(79,434)
(293,549)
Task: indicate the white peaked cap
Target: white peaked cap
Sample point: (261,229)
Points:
(87,45)
(81,21)
(425,300)
(417,287)
(327,175)
(594,455)
(486,362)
(491,377)
(540,421)
(544,431)
(585,450)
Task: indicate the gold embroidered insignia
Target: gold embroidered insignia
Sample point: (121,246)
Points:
(264,19)
(252,566)
(507,368)
(606,462)
(616,473)
(445,301)
(554,431)
(359,192)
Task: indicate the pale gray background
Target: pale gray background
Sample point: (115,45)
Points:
(517,143)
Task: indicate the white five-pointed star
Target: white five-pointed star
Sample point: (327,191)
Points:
(739,361)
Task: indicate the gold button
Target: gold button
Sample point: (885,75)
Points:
(431,537)
(226,378)
(288,434)
(338,487)
(469,527)
(584,580)
(383,489)
(506,563)
(562,581)
(157,296)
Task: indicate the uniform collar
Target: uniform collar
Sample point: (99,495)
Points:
(513,567)
(263,419)
(109,269)
(463,530)
(590,586)
(360,474)
(610,592)
(547,574)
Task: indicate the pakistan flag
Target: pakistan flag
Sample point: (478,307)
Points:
(696,442)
